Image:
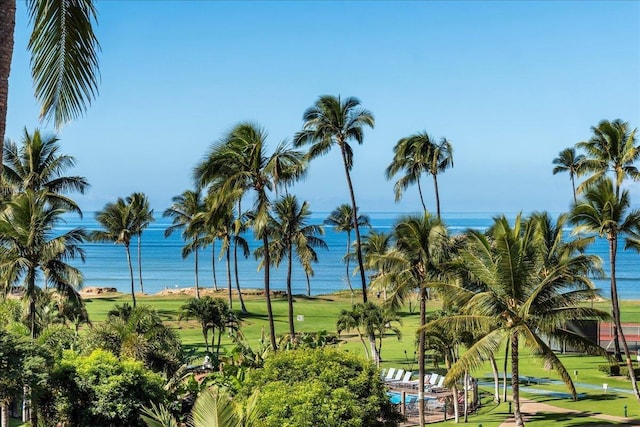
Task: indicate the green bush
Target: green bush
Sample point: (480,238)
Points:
(611,370)
(320,387)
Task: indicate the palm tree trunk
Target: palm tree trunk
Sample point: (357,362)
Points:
(515,380)
(267,291)
(466,396)
(308,284)
(448,359)
(613,243)
(229,285)
(347,263)
(292,332)
(205,334)
(235,261)
(140,262)
(435,185)
(615,307)
(235,267)
(421,346)
(496,379)
(4,414)
(573,185)
(7,29)
(504,380)
(355,225)
(196,273)
(213,265)
(133,290)
(424,207)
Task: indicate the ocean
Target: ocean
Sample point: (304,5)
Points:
(164,268)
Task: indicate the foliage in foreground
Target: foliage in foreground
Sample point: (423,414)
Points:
(322,387)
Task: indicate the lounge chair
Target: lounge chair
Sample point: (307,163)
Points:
(416,383)
(390,373)
(399,374)
(433,380)
(439,387)
(400,383)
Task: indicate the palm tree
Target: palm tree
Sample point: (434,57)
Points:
(142,217)
(375,246)
(611,148)
(29,246)
(332,121)
(422,251)
(117,222)
(569,161)
(184,211)
(239,162)
(342,220)
(374,321)
(606,213)
(205,311)
(440,159)
(38,165)
(64,58)
(291,232)
(415,155)
(522,297)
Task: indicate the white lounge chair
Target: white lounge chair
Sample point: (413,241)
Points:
(416,383)
(405,378)
(433,379)
(399,374)
(439,387)
(390,373)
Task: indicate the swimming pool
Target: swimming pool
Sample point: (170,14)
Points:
(395,398)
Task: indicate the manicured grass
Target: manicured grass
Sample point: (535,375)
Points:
(321,312)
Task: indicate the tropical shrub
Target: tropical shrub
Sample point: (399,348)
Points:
(319,387)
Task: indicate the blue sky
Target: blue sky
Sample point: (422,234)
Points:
(510,84)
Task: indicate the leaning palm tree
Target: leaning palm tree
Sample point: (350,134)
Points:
(36,164)
(184,210)
(64,58)
(333,121)
(240,162)
(142,217)
(612,148)
(292,233)
(30,246)
(522,298)
(375,246)
(342,220)
(117,222)
(607,214)
(569,161)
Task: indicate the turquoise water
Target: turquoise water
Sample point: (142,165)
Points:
(163,266)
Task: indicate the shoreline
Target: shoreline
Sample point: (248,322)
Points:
(95,291)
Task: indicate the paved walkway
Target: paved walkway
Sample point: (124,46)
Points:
(530,408)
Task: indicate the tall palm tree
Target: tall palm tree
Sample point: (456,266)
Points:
(116,219)
(29,246)
(292,233)
(342,220)
(569,161)
(440,159)
(240,162)
(184,210)
(333,121)
(606,213)
(142,218)
(523,297)
(612,148)
(415,155)
(422,249)
(64,58)
(38,165)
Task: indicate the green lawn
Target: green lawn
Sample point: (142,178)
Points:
(320,313)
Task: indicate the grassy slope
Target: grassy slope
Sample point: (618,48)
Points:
(321,313)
